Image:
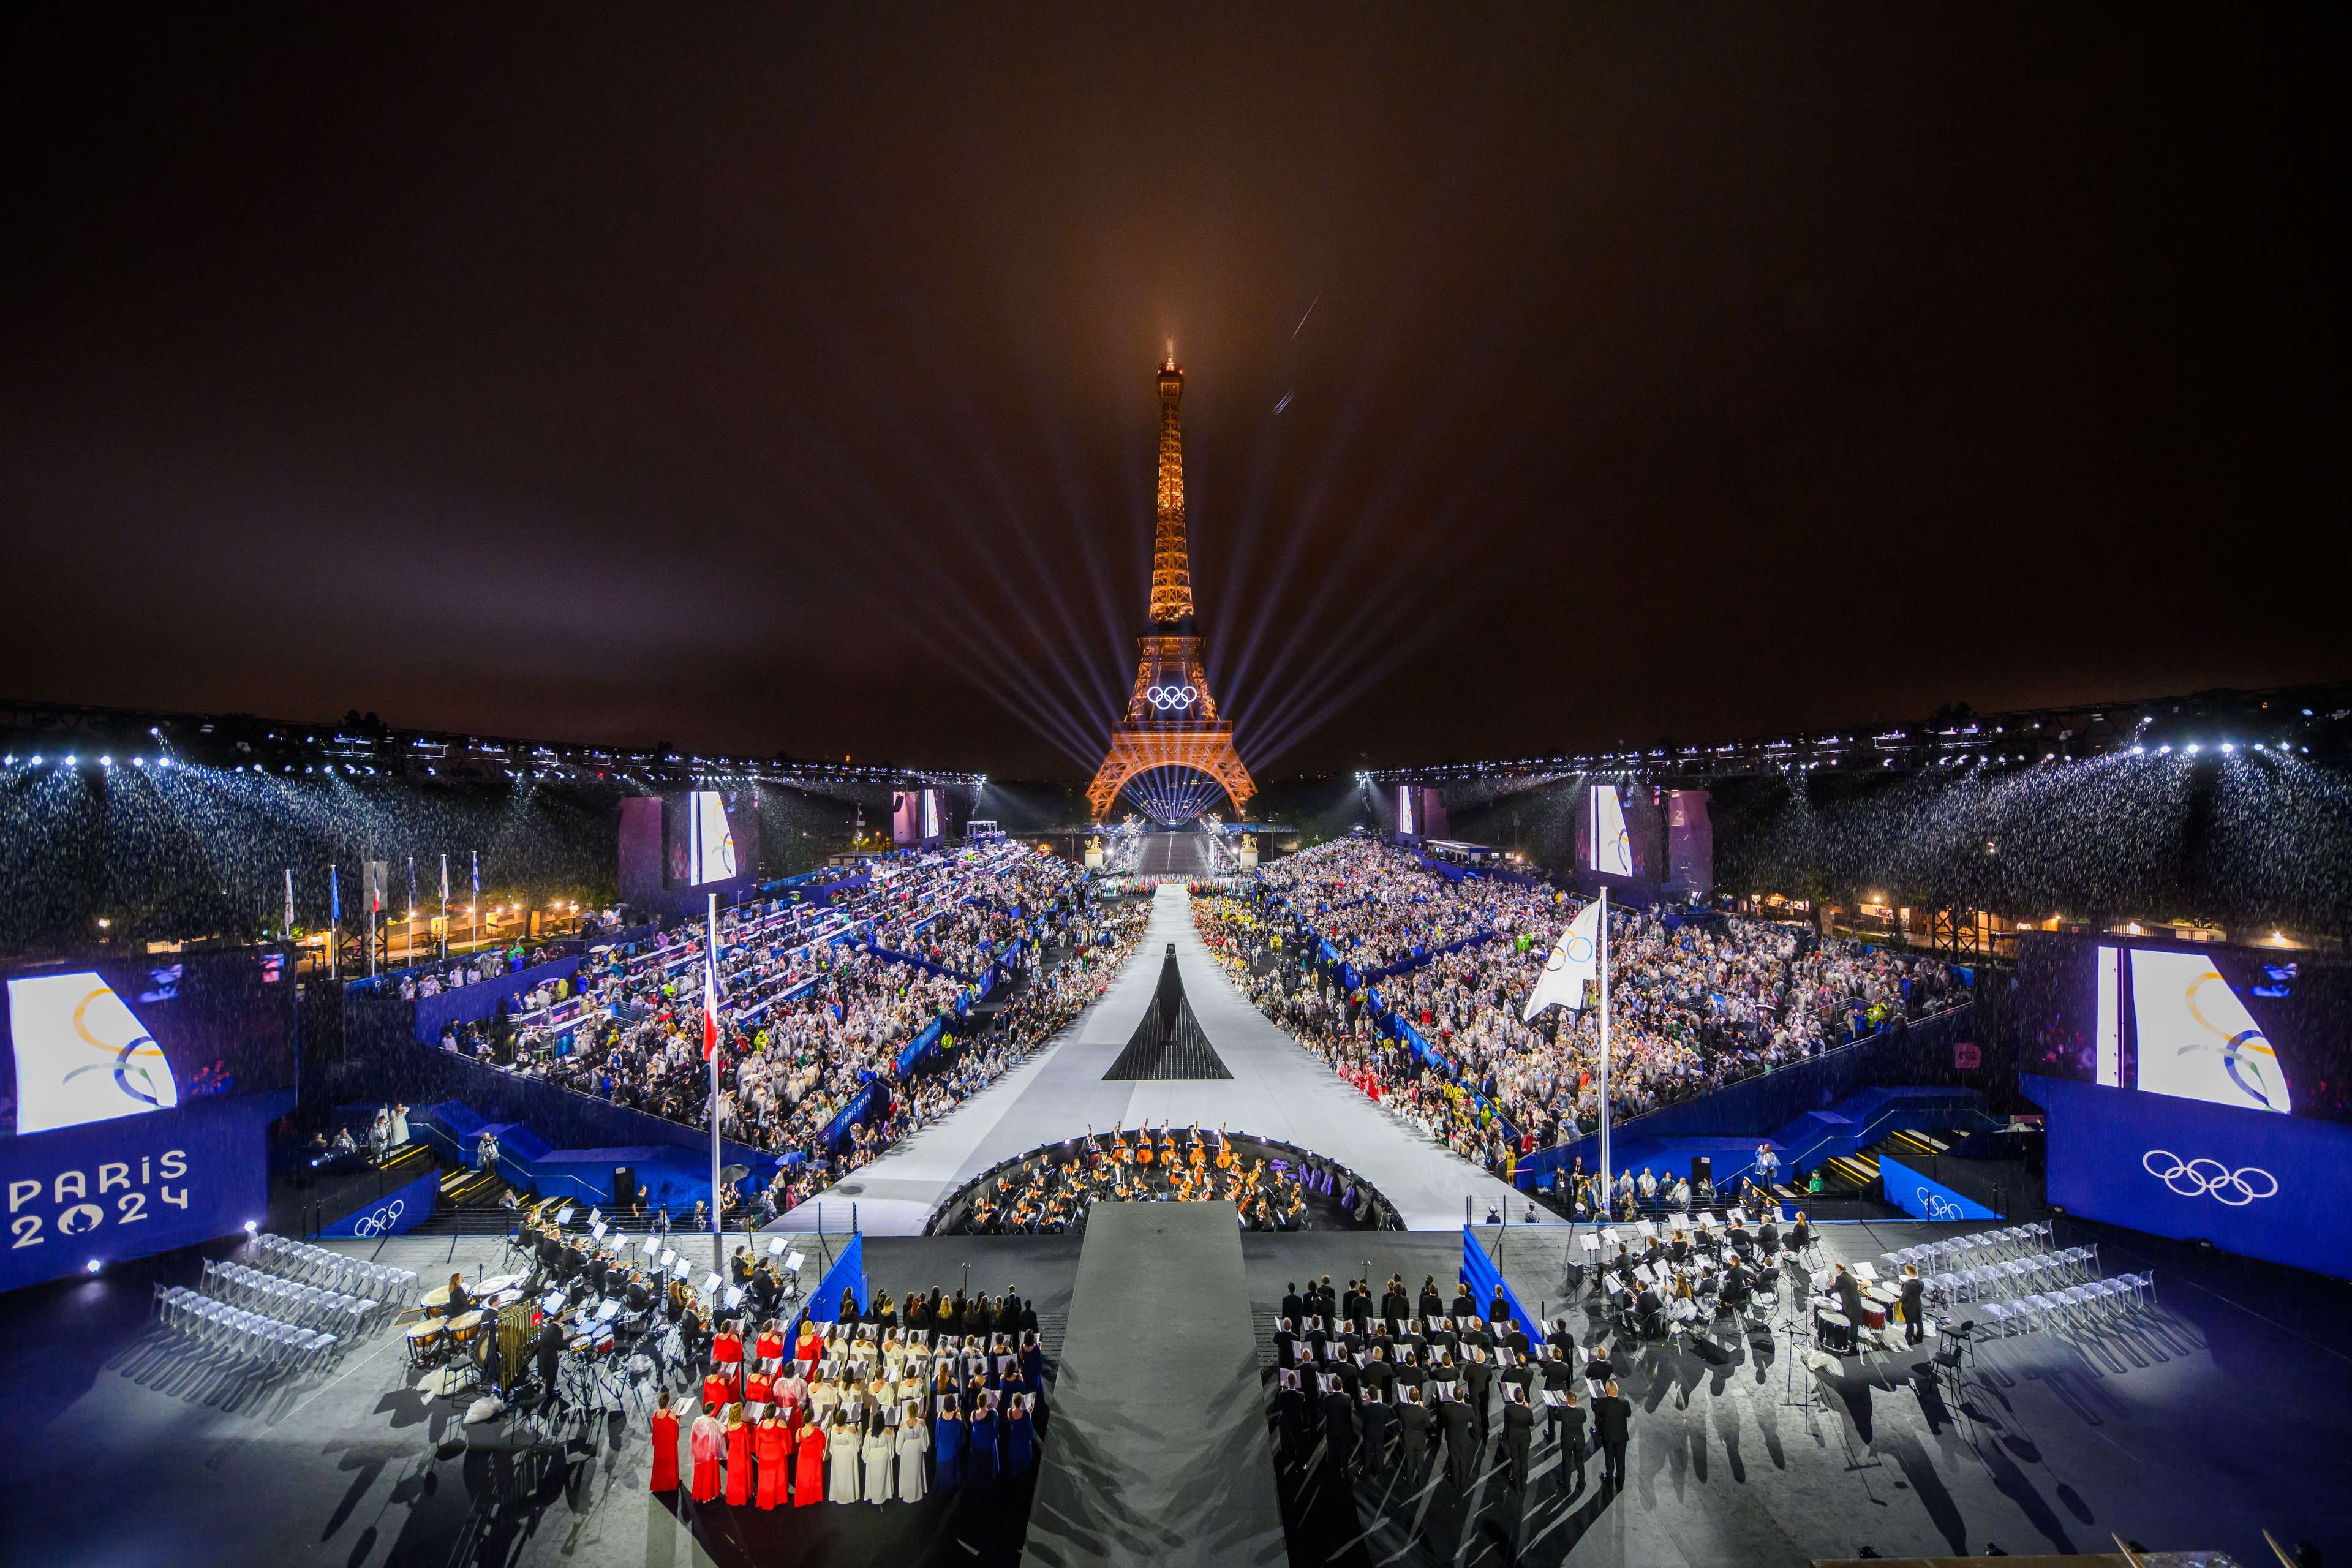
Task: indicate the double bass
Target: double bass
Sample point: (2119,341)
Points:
(1224,1150)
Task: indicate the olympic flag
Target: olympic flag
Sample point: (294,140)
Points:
(1574,960)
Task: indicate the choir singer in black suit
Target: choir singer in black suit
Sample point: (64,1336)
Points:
(1613,1421)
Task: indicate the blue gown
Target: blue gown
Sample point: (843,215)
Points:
(983,1464)
(1018,1447)
(947,1453)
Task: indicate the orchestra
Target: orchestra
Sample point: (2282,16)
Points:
(1050,1191)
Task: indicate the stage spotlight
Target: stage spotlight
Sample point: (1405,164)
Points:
(66,764)
(2192,748)
(93,1266)
(252,1225)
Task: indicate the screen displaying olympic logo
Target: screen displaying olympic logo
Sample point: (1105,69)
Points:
(1937,1205)
(2210,1178)
(1168,699)
(379,1222)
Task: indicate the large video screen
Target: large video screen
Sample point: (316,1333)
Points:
(95,1041)
(2256,1028)
(1609,847)
(703,844)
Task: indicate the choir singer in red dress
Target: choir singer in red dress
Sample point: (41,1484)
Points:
(738,1458)
(664,1447)
(772,1444)
(706,1444)
(808,1474)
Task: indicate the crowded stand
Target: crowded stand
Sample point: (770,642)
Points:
(820,1004)
(1694,1005)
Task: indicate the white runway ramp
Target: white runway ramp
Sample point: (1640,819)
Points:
(1278,1090)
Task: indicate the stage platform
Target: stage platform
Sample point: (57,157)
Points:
(1277,1090)
(2218,1416)
(1156,1453)
(1174,855)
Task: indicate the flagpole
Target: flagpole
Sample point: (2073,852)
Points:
(711,959)
(1608,1176)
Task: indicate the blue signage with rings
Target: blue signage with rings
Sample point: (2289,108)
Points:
(394,1213)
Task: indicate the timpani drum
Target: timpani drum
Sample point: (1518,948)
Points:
(423,1343)
(435,1300)
(1876,1306)
(466,1328)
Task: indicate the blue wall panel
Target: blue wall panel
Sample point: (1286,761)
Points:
(1916,1195)
(133,1185)
(394,1213)
(2250,1182)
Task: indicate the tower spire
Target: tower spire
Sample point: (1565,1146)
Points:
(1171,568)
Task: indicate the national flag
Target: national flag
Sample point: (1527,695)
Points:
(710,994)
(1574,960)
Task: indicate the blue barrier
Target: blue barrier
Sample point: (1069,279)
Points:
(1922,1198)
(396,1213)
(848,1273)
(471,1003)
(1479,1271)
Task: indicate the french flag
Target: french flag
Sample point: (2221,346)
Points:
(711,996)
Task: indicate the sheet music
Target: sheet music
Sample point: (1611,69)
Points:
(564,1215)
(597,1230)
(710,1285)
(776,1247)
(793,1263)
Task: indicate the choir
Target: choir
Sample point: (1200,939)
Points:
(866,1411)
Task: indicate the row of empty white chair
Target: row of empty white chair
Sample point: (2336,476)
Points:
(2073,1306)
(308,1265)
(268,1344)
(290,1301)
(2015,1276)
(1952,1253)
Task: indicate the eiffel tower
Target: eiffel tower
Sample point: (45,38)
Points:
(1171,719)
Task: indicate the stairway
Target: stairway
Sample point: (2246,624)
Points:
(1850,1175)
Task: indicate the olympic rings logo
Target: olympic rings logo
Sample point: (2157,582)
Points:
(381,1221)
(1167,699)
(2209,1178)
(1938,1206)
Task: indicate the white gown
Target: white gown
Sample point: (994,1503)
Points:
(841,1465)
(878,1450)
(914,1437)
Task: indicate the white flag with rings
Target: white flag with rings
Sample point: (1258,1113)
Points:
(1574,960)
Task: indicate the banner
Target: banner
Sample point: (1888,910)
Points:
(394,1213)
(120,1189)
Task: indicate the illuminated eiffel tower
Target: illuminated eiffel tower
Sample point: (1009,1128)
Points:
(1172,721)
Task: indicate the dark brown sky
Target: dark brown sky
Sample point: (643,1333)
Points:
(786,381)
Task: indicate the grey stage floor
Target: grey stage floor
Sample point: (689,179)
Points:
(1278,1090)
(2222,1415)
(2196,1426)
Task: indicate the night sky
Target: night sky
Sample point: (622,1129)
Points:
(784,381)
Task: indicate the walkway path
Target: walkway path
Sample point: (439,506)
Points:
(1278,1090)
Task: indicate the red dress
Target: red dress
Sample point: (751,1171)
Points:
(716,1396)
(726,1351)
(808,1481)
(759,1389)
(739,1465)
(665,1451)
(769,1348)
(809,1351)
(772,1444)
(706,1444)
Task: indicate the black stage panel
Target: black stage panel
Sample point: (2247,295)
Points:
(1158,1449)
(1168,1042)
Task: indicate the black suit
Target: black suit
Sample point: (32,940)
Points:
(1462,1444)
(1849,1295)
(1380,1424)
(1518,1438)
(1339,1429)
(1290,1418)
(1915,1311)
(1417,1430)
(1568,1421)
(1613,1421)
(1478,1382)
(1293,1308)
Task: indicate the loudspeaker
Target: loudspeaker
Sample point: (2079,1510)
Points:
(624,1186)
(1702,1169)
